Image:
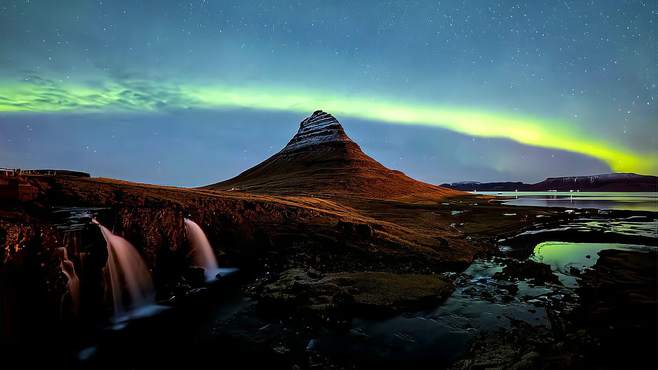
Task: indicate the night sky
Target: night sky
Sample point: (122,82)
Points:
(190,93)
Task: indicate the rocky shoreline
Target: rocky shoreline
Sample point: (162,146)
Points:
(612,326)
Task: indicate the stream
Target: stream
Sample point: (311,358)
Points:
(481,303)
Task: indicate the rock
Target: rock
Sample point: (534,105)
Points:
(32,283)
(196,276)
(362,230)
(365,293)
(471,291)
(514,348)
(613,327)
(574,271)
(527,361)
(282,350)
(511,288)
(618,308)
(539,273)
(487,296)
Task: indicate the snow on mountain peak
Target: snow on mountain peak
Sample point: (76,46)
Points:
(320,127)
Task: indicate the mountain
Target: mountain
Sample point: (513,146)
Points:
(322,160)
(604,182)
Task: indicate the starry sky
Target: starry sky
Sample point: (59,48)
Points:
(190,93)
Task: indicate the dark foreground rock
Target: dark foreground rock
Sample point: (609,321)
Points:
(613,327)
(619,308)
(354,293)
(522,347)
(537,272)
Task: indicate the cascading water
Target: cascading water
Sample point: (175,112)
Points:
(202,253)
(130,281)
(73,283)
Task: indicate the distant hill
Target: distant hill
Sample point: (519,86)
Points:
(604,182)
(41,172)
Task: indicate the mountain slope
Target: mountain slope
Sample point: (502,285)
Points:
(322,160)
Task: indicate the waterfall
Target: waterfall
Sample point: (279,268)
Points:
(201,251)
(130,281)
(73,283)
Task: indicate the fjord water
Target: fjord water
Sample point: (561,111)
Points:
(130,281)
(632,201)
(201,251)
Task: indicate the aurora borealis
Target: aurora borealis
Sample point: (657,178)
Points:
(530,90)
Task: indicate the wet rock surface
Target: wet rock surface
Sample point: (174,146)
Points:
(539,273)
(522,347)
(355,293)
(612,326)
(619,307)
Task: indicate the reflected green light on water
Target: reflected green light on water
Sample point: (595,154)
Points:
(562,256)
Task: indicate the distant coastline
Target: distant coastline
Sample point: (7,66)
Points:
(41,172)
(626,182)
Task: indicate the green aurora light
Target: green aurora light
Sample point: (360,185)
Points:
(44,96)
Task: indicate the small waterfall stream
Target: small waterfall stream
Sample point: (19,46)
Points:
(130,281)
(201,251)
(73,283)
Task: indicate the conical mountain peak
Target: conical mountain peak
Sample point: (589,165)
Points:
(322,160)
(318,128)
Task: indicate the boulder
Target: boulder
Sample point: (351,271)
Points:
(539,273)
(355,293)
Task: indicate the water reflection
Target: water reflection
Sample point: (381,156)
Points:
(600,200)
(632,226)
(568,259)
